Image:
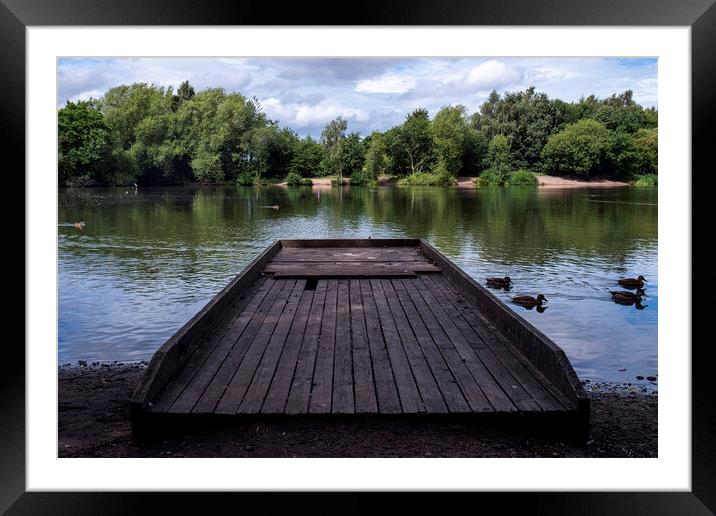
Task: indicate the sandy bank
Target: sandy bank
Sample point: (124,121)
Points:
(94,422)
(469,182)
(564,182)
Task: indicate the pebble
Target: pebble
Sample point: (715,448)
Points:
(639,377)
(651,378)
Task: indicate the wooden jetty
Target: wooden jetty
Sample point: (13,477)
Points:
(372,327)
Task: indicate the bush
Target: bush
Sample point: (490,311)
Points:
(490,177)
(438,177)
(647,180)
(245,178)
(583,148)
(361,177)
(296,179)
(521,178)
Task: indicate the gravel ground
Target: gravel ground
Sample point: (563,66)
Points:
(94,422)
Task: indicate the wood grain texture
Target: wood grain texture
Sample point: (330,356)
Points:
(371,328)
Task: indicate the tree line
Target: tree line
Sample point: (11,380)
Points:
(148,134)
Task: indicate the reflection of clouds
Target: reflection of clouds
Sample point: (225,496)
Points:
(144,265)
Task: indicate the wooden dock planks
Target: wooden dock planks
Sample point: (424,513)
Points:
(356,330)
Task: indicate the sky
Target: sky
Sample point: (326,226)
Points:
(371,93)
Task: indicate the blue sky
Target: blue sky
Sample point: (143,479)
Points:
(371,93)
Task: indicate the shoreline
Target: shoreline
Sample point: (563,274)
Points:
(556,182)
(93,421)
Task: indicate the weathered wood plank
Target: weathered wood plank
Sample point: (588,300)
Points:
(469,386)
(364,385)
(546,396)
(252,300)
(300,393)
(385,388)
(378,254)
(342,273)
(428,387)
(207,400)
(230,349)
(172,356)
(322,388)
(340,266)
(388,333)
(343,399)
(242,378)
(512,386)
(534,345)
(410,396)
(446,381)
(256,392)
(489,385)
(277,395)
(352,242)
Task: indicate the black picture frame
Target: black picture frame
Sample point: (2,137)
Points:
(16,15)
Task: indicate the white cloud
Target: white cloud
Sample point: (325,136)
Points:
(390,83)
(492,74)
(371,93)
(302,115)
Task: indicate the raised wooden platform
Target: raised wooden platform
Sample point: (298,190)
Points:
(357,327)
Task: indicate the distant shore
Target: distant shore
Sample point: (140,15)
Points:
(468,182)
(93,421)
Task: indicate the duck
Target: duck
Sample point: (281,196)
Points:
(625,295)
(499,282)
(529,301)
(632,282)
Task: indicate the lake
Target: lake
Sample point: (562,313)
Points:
(148,260)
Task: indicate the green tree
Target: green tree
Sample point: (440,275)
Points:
(497,156)
(376,158)
(584,148)
(416,140)
(83,144)
(646,143)
(526,118)
(184,92)
(449,129)
(353,153)
(473,152)
(332,139)
(307,157)
(272,151)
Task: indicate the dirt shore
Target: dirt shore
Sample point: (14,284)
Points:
(94,422)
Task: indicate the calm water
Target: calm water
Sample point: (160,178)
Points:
(147,261)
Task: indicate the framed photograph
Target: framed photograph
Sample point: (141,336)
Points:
(444,248)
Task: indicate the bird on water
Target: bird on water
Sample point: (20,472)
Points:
(499,282)
(632,282)
(529,301)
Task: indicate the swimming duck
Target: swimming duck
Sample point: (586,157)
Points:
(632,282)
(499,282)
(529,301)
(625,295)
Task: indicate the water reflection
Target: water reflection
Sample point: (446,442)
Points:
(146,261)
